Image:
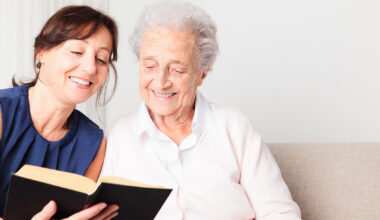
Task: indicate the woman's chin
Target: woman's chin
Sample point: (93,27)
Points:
(78,99)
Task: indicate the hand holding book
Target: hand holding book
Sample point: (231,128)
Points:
(33,187)
(96,212)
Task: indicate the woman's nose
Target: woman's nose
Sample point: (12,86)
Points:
(89,65)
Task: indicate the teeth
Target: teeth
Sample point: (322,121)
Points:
(163,95)
(79,81)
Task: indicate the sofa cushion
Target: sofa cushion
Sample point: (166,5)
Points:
(332,180)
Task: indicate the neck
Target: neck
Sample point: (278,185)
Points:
(49,115)
(177,126)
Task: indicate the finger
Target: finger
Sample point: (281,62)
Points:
(107,212)
(47,212)
(112,215)
(89,212)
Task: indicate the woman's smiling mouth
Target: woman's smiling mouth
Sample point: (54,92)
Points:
(80,81)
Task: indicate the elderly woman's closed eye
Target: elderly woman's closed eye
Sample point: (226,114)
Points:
(212,156)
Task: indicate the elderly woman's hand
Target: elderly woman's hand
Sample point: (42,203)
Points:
(96,212)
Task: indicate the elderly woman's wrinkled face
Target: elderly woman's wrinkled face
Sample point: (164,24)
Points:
(169,71)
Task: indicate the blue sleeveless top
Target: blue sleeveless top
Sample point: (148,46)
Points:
(21,144)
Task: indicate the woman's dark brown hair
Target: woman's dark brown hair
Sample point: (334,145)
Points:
(75,22)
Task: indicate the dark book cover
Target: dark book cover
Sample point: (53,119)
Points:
(27,197)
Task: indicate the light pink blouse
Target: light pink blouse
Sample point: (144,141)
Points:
(223,170)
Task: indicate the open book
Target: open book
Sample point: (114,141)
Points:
(32,187)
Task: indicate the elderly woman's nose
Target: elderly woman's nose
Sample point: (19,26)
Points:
(163,79)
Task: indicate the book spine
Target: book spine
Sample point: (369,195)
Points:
(92,199)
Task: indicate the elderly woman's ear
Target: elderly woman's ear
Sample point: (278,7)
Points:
(204,74)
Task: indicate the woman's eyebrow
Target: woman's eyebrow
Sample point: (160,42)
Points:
(102,48)
(105,48)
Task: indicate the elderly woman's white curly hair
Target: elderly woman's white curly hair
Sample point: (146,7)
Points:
(184,16)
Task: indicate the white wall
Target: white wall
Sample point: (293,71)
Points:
(303,70)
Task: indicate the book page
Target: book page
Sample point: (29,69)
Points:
(58,178)
(124,181)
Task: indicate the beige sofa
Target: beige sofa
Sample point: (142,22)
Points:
(332,181)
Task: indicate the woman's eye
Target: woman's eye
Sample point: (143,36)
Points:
(76,52)
(101,61)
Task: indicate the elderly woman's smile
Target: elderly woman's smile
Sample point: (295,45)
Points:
(165,96)
(169,72)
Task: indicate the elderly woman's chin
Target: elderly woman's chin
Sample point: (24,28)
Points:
(157,106)
(161,109)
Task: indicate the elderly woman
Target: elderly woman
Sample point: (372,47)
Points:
(212,156)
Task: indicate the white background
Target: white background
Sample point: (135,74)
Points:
(302,70)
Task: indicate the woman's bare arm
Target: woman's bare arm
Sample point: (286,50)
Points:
(96,165)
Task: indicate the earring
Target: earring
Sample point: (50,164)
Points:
(38,63)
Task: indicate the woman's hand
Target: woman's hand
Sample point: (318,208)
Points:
(96,212)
